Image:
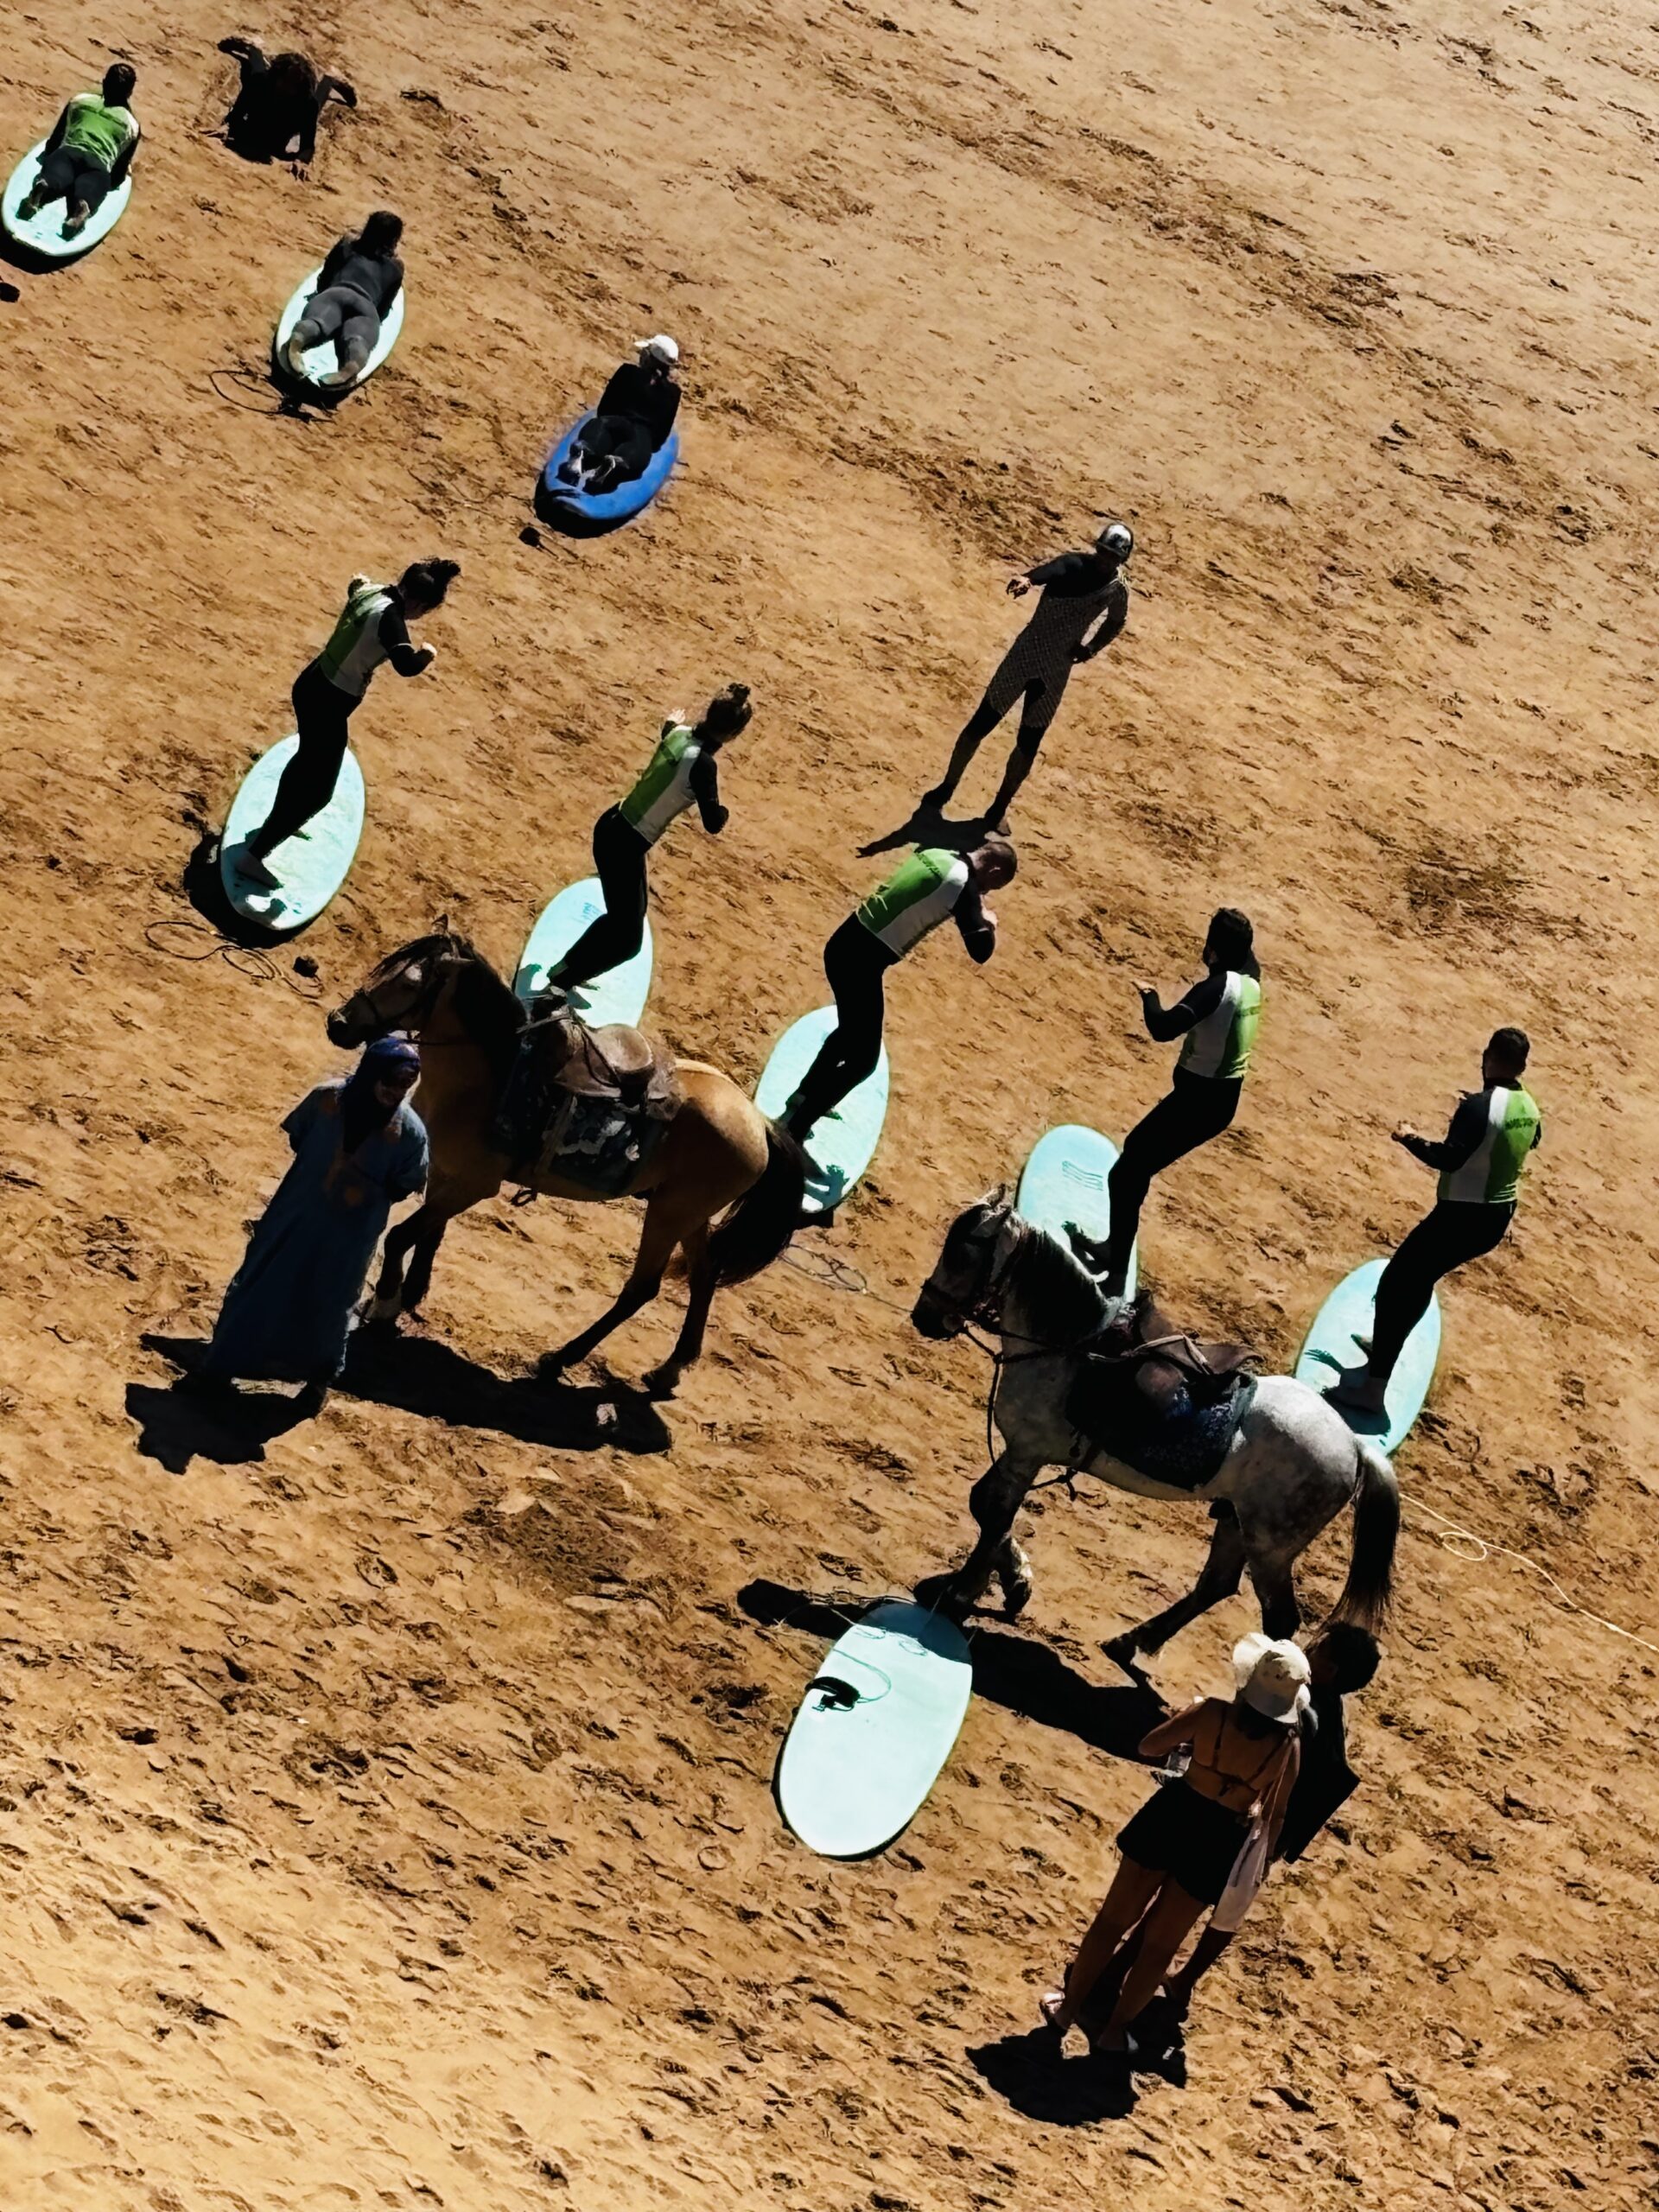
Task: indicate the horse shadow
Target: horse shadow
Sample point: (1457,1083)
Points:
(424,1376)
(1016,1672)
(1030,2073)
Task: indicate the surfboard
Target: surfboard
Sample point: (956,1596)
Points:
(43,233)
(843,1143)
(876,1726)
(312,866)
(1329,1347)
(603,510)
(1065,1182)
(323,359)
(619,994)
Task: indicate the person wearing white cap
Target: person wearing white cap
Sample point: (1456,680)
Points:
(1180,1849)
(636,413)
(1083,608)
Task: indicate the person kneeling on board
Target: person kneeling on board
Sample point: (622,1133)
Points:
(682,769)
(1218,1019)
(356,286)
(635,415)
(279,105)
(89,152)
(933,886)
(373,626)
(1481,1159)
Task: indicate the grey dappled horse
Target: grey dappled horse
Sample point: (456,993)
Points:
(1293,1465)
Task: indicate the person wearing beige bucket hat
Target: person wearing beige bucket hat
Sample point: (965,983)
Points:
(1180,1850)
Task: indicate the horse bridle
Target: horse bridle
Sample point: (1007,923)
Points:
(419,1012)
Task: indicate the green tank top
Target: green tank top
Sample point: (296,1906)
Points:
(354,652)
(101,132)
(665,790)
(916,898)
(1221,1044)
(1491,1174)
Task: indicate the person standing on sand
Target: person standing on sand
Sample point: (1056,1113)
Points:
(360,1149)
(1180,1850)
(933,886)
(372,627)
(1481,1159)
(1217,1019)
(1079,591)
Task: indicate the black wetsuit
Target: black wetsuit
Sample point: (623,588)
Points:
(354,290)
(620,853)
(266,122)
(636,413)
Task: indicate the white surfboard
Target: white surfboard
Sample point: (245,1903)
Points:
(1332,1345)
(876,1726)
(43,233)
(322,360)
(310,867)
(842,1144)
(619,994)
(1065,1180)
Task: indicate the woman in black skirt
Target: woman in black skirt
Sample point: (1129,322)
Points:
(1181,1847)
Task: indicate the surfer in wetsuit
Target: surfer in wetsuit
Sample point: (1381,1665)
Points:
(356,286)
(372,627)
(681,772)
(1083,605)
(934,885)
(635,415)
(1481,1160)
(1217,1019)
(279,105)
(89,153)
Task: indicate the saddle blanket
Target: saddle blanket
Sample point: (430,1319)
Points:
(1184,1448)
(560,1121)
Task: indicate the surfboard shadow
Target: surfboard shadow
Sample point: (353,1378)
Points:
(1013,1671)
(204,887)
(1028,2072)
(423,1375)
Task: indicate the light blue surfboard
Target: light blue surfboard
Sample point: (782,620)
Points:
(619,994)
(843,1143)
(1065,1180)
(43,233)
(1329,1347)
(322,360)
(873,1729)
(312,866)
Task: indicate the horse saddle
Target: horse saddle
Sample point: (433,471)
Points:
(588,1105)
(1165,1403)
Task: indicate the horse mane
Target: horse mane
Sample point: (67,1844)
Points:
(487,1007)
(1051,1282)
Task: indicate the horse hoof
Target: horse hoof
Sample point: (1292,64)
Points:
(662,1381)
(1015,1600)
(551,1367)
(940,1594)
(380,1314)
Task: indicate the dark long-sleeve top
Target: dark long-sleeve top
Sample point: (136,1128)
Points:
(268,121)
(635,392)
(378,278)
(968,915)
(1166,1023)
(1456,1148)
(704,780)
(1078,575)
(400,648)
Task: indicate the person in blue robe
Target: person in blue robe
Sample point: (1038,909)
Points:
(360,1149)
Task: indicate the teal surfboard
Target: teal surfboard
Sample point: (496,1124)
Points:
(843,1143)
(312,866)
(1065,1180)
(42,234)
(1329,1347)
(322,361)
(619,994)
(876,1725)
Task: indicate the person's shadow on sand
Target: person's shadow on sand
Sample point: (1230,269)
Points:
(928,826)
(1016,1672)
(416,1374)
(1028,2072)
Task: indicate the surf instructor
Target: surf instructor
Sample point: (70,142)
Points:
(372,627)
(1481,1160)
(935,885)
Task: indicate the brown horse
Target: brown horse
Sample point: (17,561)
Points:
(718,1151)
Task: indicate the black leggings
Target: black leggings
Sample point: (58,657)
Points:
(1195,1109)
(1457,1229)
(620,445)
(855,963)
(322,715)
(620,856)
(77,178)
(343,314)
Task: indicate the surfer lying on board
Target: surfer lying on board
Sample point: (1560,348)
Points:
(1481,1159)
(681,771)
(89,152)
(373,626)
(1180,1850)
(636,413)
(1079,591)
(934,885)
(356,286)
(1218,1019)
(279,106)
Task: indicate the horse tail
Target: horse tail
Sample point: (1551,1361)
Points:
(1368,1590)
(758,1228)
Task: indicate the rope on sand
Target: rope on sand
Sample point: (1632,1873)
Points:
(246,959)
(825,1267)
